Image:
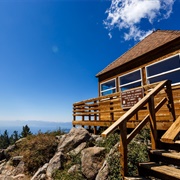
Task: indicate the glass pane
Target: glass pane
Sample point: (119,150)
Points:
(130,86)
(134,76)
(174,77)
(164,66)
(108,85)
(108,92)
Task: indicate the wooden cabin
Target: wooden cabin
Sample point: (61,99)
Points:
(155,58)
(141,87)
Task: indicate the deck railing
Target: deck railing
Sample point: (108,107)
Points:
(91,111)
(148,101)
(105,110)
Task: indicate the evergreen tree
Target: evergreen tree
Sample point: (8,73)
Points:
(4,140)
(25,131)
(14,137)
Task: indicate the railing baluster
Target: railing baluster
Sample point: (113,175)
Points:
(74,117)
(95,119)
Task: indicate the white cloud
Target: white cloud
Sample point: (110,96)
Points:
(127,14)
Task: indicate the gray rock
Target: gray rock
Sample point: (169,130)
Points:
(41,173)
(99,139)
(78,149)
(74,168)
(8,150)
(103,172)
(73,139)
(95,136)
(54,164)
(6,177)
(16,160)
(19,169)
(20,177)
(19,141)
(92,159)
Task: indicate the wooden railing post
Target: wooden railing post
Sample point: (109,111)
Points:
(83,116)
(74,117)
(111,109)
(152,116)
(123,149)
(170,99)
(95,119)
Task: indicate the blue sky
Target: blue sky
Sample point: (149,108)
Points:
(51,50)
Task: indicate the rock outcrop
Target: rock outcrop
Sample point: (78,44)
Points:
(92,159)
(77,143)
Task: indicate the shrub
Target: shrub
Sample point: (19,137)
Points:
(109,142)
(114,168)
(63,173)
(137,152)
(36,151)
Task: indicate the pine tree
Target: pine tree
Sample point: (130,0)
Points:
(14,137)
(4,140)
(25,131)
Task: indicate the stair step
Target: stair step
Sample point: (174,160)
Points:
(135,178)
(170,157)
(167,157)
(171,134)
(170,154)
(159,171)
(167,146)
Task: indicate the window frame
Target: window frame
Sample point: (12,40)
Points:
(162,73)
(139,80)
(101,91)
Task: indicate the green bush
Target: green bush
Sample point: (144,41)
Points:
(137,152)
(63,173)
(114,168)
(108,142)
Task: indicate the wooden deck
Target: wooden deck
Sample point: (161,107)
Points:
(105,110)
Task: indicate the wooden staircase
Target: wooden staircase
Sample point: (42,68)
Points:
(165,162)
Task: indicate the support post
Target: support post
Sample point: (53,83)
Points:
(170,100)
(123,149)
(153,127)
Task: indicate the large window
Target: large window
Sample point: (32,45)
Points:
(108,87)
(130,80)
(165,69)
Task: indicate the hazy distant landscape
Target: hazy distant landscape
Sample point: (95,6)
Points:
(34,126)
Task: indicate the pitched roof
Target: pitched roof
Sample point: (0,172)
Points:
(151,42)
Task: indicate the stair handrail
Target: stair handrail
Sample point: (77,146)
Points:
(121,122)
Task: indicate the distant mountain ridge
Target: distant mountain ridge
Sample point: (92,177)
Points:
(35,126)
